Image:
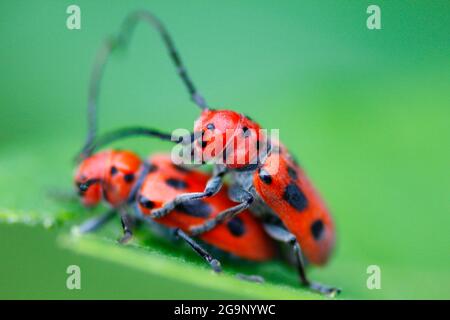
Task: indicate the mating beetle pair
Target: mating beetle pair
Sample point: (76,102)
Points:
(269,198)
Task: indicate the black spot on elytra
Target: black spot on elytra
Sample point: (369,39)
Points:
(245,132)
(176,183)
(195,208)
(146,203)
(113,170)
(236,227)
(292,172)
(295,197)
(203,143)
(224,155)
(128,177)
(317,229)
(265,176)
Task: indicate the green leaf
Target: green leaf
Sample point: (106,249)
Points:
(179,269)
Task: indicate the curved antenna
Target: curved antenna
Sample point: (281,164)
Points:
(122,40)
(134,132)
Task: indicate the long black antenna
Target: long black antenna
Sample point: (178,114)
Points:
(122,40)
(122,133)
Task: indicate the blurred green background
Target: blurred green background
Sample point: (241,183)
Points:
(366,112)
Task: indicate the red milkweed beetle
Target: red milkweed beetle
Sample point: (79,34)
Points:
(271,185)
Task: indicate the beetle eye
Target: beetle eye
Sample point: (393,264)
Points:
(85,185)
(80,191)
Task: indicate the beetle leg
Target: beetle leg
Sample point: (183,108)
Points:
(178,233)
(213,186)
(282,235)
(142,175)
(247,200)
(214,263)
(127,225)
(95,223)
